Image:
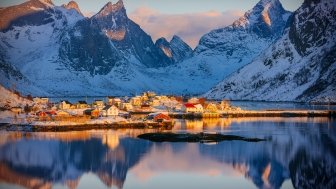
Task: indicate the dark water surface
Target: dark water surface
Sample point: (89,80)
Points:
(301,153)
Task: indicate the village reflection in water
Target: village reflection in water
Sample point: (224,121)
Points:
(300,153)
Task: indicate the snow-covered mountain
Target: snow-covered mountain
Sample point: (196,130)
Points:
(223,51)
(300,66)
(106,40)
(57,51)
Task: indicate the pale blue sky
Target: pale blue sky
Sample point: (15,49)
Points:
(170,6)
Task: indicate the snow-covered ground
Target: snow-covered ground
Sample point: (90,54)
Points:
(8,99)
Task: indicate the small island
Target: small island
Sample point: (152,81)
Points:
(195,137)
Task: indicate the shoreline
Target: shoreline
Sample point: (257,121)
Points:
(84,126)
(64,126)
(255,113)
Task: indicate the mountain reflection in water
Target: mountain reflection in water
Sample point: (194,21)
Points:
(301,154)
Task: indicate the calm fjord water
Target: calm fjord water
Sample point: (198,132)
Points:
(301,153)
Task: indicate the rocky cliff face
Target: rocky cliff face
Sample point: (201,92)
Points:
(300,66)
(72,5)
(177,50)
(108,38)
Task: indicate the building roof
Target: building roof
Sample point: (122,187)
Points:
(66,102)
(90,110)
(108,107)
(189,105)
(198,105)
(82,102)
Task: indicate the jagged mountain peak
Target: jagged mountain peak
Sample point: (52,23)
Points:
(266,18)
(161,41)
(177,50)
(164,45)
(110,8)
(268,2)
(176,38)
(72,5)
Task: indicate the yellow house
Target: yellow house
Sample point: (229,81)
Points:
(62,113)
(99,104)
(126,106)
(82,105)
(225,104)
(64,105)
(136,101)
(212,108)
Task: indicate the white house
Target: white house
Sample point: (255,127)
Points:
(110,111)
(199,108)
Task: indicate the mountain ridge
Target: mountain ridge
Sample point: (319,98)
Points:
(109,53)
(300,66)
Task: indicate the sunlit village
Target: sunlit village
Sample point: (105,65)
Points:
(152,107)
(142,111)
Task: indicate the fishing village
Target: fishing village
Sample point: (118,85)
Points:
(143,111)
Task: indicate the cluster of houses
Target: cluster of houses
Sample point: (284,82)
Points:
(148,102)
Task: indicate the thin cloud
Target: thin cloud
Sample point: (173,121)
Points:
(190,27)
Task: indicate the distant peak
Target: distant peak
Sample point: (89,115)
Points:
(161,41)
(268,12)
(266,2)
(176,38)
(72,5)
(111,8)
